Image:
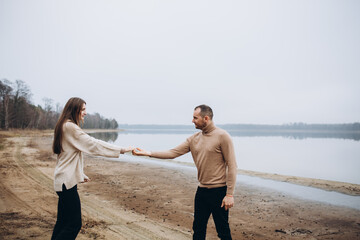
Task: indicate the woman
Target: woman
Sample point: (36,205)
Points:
(70,141)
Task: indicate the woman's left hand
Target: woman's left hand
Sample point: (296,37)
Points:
(128,149)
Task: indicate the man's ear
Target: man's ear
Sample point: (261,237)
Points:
(206,118)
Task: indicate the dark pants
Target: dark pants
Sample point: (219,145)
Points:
(208,201)
(68,223)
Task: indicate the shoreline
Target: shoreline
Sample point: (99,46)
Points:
(327,185)
(322,193)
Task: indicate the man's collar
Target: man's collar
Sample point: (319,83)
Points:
(209,128)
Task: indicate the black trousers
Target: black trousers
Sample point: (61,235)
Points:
(68,223)
(208,201)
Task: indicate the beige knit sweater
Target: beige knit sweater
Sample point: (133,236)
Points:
(213,154)
(69,168)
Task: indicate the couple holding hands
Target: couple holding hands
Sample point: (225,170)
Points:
(211,148)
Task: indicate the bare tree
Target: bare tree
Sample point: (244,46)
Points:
(5,94)
(48,104)
(21,102)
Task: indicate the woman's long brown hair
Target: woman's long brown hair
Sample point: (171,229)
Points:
(71,112)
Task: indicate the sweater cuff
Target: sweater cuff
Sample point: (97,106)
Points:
(122,151)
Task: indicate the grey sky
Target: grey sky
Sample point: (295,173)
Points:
(269,62)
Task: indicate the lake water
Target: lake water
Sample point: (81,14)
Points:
(320,158)
(335,159)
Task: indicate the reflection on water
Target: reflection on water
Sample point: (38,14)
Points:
(299,135)
(105,136)
(248,133)
(161,131)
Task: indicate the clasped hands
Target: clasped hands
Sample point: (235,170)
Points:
(137,151)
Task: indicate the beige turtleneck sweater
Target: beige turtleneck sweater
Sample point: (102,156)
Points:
(213,153)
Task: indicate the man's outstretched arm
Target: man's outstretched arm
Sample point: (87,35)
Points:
(168,154)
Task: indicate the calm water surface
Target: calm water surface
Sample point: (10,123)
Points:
(320,158)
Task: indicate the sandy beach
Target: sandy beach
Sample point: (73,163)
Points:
(132,200)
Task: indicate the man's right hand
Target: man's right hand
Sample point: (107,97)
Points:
(140,152)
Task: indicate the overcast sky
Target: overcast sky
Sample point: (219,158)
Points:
(252,61)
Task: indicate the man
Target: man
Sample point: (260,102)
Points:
(213,153)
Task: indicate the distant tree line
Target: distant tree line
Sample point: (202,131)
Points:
(97,121)
(17,111)
(348,127)
(352,127)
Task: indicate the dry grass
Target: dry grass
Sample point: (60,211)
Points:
(46,155)
(3,138)
(32,143)
(2,142)
(43,153)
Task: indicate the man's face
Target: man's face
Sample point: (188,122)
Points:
(199,121)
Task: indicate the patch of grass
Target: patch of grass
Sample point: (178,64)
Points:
(31,144)
(47,156)
(2,141)
(10,222)
(44,155)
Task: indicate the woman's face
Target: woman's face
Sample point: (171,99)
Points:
(83,112)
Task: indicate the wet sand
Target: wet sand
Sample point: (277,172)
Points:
(132,200)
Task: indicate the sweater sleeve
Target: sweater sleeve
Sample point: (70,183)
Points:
(81,141)
(173,153)
(227,148)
